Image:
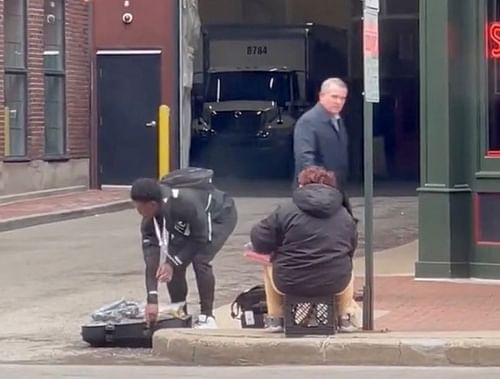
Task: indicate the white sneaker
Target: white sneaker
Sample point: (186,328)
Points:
(273,324)
(205,322)
(346,325)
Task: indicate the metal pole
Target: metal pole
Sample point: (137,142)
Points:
(93,121)
(371,9)
(368,192)
(180,94)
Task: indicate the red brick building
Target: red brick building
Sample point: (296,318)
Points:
(44,57)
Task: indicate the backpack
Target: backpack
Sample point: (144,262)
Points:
(193,178)
(252,299)
(190,177)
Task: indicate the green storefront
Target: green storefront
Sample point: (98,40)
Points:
(459,196)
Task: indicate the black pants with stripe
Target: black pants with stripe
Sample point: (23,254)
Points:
(205,279)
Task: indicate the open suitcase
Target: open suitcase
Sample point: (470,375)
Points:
(128,333)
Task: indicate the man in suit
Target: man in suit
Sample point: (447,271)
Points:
(320,137)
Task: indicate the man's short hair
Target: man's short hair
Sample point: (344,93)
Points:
(146,189)
(331,82)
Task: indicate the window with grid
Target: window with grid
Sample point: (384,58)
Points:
(54,57)
(15,91)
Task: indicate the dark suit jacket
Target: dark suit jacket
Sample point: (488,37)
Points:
(317,142)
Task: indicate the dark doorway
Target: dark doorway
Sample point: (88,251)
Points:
(129,94)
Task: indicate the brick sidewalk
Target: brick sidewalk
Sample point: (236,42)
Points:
(435,306)
(60,203)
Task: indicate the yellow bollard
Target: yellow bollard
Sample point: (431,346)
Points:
(6,134)
(163,141)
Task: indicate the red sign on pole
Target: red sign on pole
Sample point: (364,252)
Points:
(370,35)
(371,55)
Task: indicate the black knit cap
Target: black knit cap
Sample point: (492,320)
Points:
(146,189)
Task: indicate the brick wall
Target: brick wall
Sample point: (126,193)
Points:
(77,79)
(36,133)
(2,136)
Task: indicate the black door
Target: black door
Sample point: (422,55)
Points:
(128,97)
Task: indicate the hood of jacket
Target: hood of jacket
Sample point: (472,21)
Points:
(318,200)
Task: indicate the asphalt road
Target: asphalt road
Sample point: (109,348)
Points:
(53,276)
(100,372)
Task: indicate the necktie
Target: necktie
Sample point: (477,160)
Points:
(336,123)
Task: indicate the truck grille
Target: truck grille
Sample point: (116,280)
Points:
(239,123)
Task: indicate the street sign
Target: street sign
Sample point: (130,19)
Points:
(371,55)
(372,4)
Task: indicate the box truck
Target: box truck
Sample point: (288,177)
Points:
(255,81)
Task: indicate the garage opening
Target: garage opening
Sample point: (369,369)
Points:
(259,65)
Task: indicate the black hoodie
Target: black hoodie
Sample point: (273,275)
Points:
(195,225)
(311,240)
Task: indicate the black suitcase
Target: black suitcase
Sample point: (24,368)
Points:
(128,333)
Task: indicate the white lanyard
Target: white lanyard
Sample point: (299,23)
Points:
(162,237)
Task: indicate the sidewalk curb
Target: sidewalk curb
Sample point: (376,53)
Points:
(230,348)
(46,218)
(5,199)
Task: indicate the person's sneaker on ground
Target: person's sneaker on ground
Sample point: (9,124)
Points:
(205,322)
(346,325)
(273,324)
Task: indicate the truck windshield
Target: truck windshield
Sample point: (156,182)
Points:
(249,85)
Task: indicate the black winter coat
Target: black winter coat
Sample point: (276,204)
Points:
(311,239)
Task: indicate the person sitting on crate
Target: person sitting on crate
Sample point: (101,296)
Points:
(311,241)
(185,220)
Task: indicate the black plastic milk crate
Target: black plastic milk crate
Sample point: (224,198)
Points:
(128,334)
(310,316)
